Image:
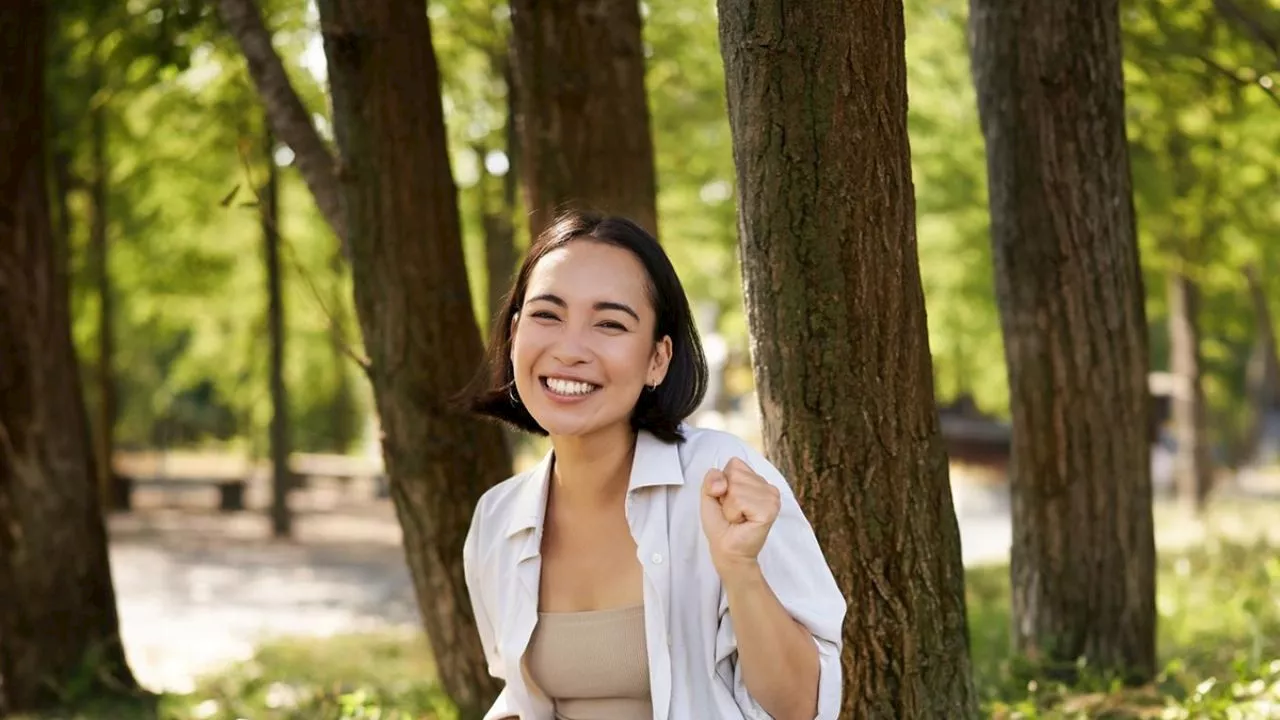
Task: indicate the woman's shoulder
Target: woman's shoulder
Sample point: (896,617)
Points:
(700,440)
(713,447)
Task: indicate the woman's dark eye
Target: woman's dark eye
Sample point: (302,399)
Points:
(612,325)
(544,315)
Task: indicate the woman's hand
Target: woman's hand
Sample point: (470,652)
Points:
(738,509)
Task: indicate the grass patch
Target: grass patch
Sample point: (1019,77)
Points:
(366,677)
(380,677)
(1218,642)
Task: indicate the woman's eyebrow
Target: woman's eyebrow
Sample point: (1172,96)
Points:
(606,305)
(548,297)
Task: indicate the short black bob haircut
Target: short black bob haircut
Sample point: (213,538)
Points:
(660,411)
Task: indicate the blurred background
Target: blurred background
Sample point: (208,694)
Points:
(160,159)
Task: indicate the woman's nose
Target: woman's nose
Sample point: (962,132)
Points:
(570,347)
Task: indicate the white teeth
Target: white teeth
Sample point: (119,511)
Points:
(569,387)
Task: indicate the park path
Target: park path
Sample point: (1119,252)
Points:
(197,591)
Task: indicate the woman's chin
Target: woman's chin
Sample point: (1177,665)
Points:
(561,424)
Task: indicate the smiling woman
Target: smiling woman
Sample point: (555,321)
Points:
(645,569)
(602,289)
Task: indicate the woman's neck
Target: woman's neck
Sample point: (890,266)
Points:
(593,470)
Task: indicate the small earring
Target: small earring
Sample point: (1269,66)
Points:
(511,393)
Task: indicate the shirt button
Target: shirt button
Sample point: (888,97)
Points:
(657,558)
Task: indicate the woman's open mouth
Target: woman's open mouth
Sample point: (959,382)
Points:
(561,388)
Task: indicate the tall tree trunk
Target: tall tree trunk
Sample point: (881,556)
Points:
(104,371)
(501,256)
(837,323)
(1070,294)
(58,609)
(499,222)
(1263,377)
(1192,466)
(345,409)
(414,306)
(61,201)
(500,251)
(281,478)
(584,115)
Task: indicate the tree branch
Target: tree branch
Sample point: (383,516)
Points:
(1260,33)
(1224,72)
(335,328)
(285,112)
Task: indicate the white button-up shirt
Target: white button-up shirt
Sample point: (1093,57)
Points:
(692,648)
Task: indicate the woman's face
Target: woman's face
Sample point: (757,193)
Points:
(582,344)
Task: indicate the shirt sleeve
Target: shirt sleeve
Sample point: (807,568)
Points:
(502,707)
(798,574)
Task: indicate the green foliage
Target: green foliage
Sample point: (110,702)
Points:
(1202,136)
(693,150)
(185,150)
(952,222)
(185,128)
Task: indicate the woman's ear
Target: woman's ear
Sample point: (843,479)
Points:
(661,362)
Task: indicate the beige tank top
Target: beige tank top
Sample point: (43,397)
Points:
(592,665)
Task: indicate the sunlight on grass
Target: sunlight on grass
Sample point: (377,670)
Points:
(382,677)
(1219,644)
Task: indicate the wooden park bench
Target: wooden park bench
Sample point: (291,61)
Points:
(230,490)
(345,469)
(973,438)
(181,473)
(231,475)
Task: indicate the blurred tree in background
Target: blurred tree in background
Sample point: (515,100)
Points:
(188,318)
(1070,293)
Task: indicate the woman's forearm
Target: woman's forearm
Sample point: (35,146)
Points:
(777,655)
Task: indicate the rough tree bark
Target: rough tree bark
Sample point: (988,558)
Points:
(1193,471)
(818,111)
(583,112)
(1070,294)
(57,605)
(414,305)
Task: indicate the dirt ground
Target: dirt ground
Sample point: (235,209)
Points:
(197,589)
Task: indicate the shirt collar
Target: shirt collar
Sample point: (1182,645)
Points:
(656,463)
